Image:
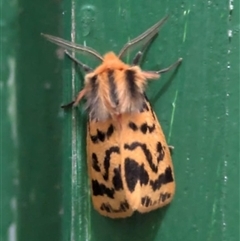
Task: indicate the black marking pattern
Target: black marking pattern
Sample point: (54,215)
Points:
(164,196)
(106,163)
(123,207)
(134,173)
(117,179)
(100,189)
(113,88)
(110,131)
(101,136)
(95,162)
(144,107)
(132,126)
(144,128)
(147,201)
(163,178)
(160,151)
(146,152)
(130,78)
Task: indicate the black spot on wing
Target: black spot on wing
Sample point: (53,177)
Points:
(168,175)
(100,189)
(164,196)
(144,107)
(95,162)
(134,173)
(160,152)
(110,131)
(106,207)
(94,139)
(153,115)
(145,127)
(101,136)
(143,175)
(131,173)
(107,158)
(132,126)
(147,201)
(146,152)
(162,179)
(117,179)
(113,88)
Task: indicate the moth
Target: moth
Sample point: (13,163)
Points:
(129,162)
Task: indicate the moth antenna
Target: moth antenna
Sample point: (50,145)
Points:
(72,46)
(85,67)
(143,38)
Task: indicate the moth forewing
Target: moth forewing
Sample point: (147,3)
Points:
(147,167)
(108,195)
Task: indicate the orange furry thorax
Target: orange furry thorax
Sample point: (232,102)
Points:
(111,61)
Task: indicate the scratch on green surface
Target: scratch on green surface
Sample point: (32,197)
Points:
(185,25)
(119,7)
(128,53)
(88,227)
(214,207)
(184,32)
(172,116)
(12,102)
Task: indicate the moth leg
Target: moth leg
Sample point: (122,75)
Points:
(85,67)
(170,147)
(170,67)
(76,101)
(140,53)
(137,58)
(82,92)
(68,105)
(156,74)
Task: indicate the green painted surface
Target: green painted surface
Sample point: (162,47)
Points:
(8,124)
(39,124)
(198,107)
(31,136)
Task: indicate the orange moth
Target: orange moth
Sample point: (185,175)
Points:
(129,161)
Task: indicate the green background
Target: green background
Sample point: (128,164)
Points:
(44,185)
